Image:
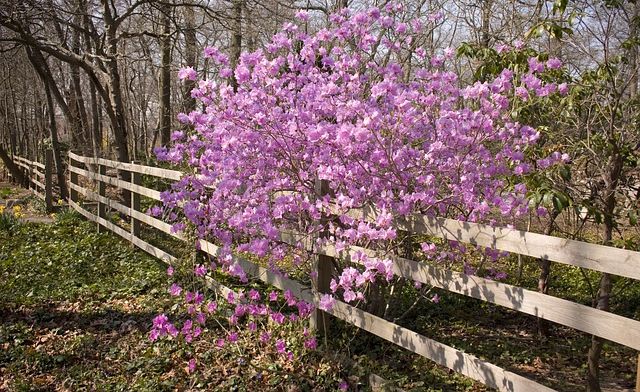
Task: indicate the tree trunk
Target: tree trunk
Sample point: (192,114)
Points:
(14,135)
(236,39)
(96,138)
(604,292)
(190,53)
(55,145)
(545,275)
(96,118)
(82,120)
(117,110)
(41,67)
(485,39)
(633,50)
(165,77)
(117,116)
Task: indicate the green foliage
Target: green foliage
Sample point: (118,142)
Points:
(70,261)
(6,192)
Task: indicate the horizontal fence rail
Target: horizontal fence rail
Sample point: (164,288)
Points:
(621,262)
(39,177)
(615,261)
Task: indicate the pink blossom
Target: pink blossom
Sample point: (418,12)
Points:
(522,93)
(554,63)
(175,290)
(302,15)
(311,343)
(449,52)
(428,247)
(501,48)
(187,73)
(191,367)
(210,52)
(188,296)
(436,16)
(265,337)
(563,89)
(278,317)
(535,65)
(402,138)
(281,346)
(326,302)
(200,270)
(254,295)
(233,337)
(288,296)
(349,296)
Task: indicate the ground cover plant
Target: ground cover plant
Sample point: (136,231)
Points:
(77,306)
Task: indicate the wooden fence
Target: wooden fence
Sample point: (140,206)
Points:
(625,331)
(39,177)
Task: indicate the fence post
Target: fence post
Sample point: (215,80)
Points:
(136,179)
(102,191)
(48,183)
(638,374)
(30,184)
(324,269)
(73,181)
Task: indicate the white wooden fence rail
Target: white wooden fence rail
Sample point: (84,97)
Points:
(39,177)
(621,262)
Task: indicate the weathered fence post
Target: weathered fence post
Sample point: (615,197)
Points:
(48,183)
(30,184)
(136,179)
(102,192)
(324,268)
(73,181)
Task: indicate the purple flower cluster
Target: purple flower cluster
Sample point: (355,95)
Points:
(247,312)
(162,327)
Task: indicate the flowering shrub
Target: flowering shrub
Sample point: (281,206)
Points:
(382,126)
(543,99)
